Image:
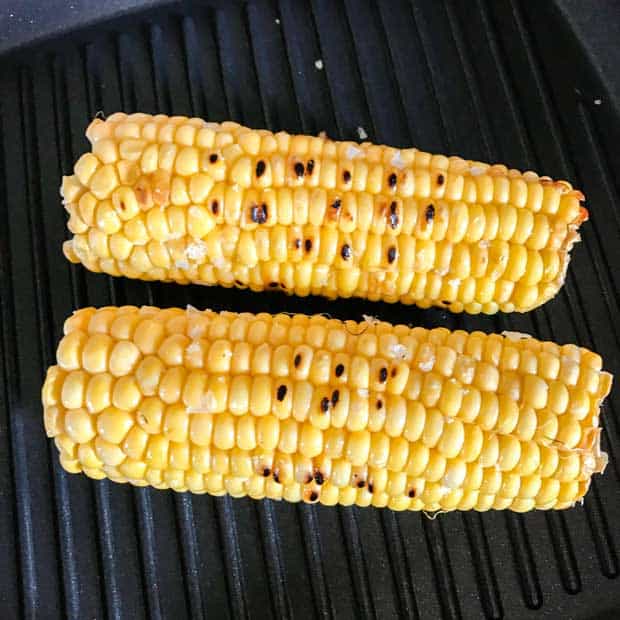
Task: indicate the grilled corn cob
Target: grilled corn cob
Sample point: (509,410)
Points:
(183,200)
(319,410)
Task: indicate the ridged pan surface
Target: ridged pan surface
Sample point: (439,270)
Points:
(504,81)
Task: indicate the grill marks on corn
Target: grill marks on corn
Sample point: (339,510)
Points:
(152,188)
(255,415)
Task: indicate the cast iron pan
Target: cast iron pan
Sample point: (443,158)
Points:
(524,83)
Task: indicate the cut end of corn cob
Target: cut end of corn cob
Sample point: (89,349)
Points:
(306,408)
(180,199)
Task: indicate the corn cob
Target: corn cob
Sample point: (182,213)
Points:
(319,410)
(178,199)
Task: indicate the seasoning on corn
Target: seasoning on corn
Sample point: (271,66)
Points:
(180,199)
(313,409)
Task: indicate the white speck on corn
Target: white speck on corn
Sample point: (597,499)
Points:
(476,171)
(196,251)
(397,160)
(515,336)
(399,351)
(182,264)
(352,152)
(206,405)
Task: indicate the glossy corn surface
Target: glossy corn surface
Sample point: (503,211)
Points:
(183,200)
(312,409)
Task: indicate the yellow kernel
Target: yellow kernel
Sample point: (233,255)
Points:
(310,441)
(110,453)
(79,425)
(224,431)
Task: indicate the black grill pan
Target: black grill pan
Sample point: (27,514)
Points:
(529,84)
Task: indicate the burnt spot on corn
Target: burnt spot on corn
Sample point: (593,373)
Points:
(393,372)
(429,214)
(339,370)
(260,169)
(392,180)
(299,169)
(313,496)
(319,478)
(258,213)
(238,283)
(215,207)
(446,302)
(346,176)
(308,479)
(281,392)
(297,360)
(335,397)
(308,245)
(371,487)
(297,243)
(324,404)
(391,254)
(266,472)
(213,158)
(273,285)
(360,484)
(440,179)
(411,493)
(276,476)
(393,214)
(336,204)
(310,167)
(383,373)
(379,404)
(346,252)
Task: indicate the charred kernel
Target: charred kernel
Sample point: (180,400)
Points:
(346,176)
(281,392)
(371,487)
(319,478)
(310,167)
(258,213)
(440,179)
(346,252)
(446,302)
(339,370)
(308,244)
(215,207)
(393,207)
(391,254)
(260,169)
(313,496)
(299,169)
(238,283)
(266,472)
(297,243)
(336,204)
(379,404)
(308,479)
(335,397)
(411,493)
(360,484)
(393,215)
(429,214)
(276,476)
(273,285)
(393,372)
(383,375)
(213,158)
(297,360)
(325,404)
(392,180)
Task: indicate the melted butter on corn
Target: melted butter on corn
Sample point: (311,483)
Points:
(306,408)
(179,199)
